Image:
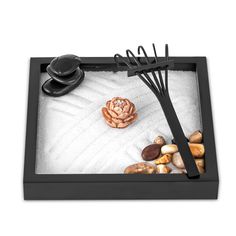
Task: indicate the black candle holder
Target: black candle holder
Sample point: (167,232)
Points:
(160,89)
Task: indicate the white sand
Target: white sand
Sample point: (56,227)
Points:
(72,134)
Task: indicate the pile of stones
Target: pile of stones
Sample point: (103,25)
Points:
(159,155)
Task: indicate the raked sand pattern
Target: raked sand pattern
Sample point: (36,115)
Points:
(74,138)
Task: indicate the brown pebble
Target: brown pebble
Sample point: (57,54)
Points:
(151,152)
(160,141)
(197,149)
(196,137)
(140,168)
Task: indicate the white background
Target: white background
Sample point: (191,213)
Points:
(102,28)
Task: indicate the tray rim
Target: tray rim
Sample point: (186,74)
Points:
(38,65)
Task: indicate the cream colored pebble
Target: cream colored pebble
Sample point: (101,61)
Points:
(169,149)
(160,140)
(163,169)
(178,161)
(178,171)
(200,162)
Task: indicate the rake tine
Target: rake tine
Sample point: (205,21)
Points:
(121,59)
(151,82)
(146,82)
(155,52)
(157,82)
(144,52)
(134,57)
(161,81)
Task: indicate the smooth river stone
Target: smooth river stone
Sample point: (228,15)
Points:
(197,149)
(140,168)
(169,149)
(163,169)
(55,89)
(196,137)
(65,65)
(177,160)
(160,141)
(66,80)
(151,152)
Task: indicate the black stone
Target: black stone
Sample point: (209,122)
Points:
(65,65)
(65,75)
(52,88)
(66,80)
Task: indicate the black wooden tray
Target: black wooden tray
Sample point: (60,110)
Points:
(119,186)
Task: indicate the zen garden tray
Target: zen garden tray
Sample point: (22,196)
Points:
(73,152)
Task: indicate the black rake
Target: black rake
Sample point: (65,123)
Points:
(159,86)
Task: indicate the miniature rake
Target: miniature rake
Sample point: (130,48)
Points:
(159,86)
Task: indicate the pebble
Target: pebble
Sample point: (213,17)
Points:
(200,162)
(178,161)
(196,137)
(160,141)
(169,149)
(163,159)
(55,89)
(65,65)
(177,171)
(197,150)
(163,169)
(200,169)
(140,168)
(66,80)
(151,152)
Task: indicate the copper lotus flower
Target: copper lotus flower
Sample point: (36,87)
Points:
(119,112)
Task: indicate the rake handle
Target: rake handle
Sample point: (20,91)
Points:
(179,136)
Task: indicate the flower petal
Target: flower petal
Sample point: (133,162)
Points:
(123,125)
(117,121)
(106,114)
(123,115)
(112,113)
(118,110)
